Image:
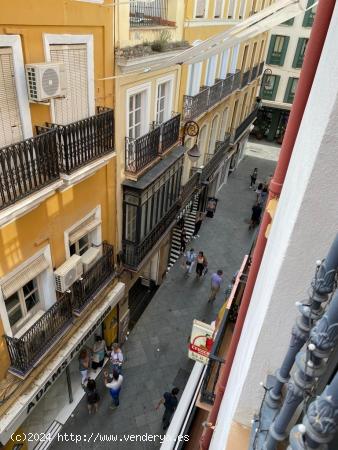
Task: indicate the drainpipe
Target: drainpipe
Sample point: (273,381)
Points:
(313,52)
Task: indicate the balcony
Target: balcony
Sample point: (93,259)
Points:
(25,351)
(27,167)
(196,105)
(140,152)
(134,253)
(245,124)
(189,188)
(213,160)
(88,286)
(84,141)
(152,14)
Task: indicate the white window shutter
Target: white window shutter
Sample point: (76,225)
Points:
(218,8)
(10,120)
(200,8)
(76,104)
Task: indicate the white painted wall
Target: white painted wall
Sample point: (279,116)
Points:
(295,32)
(304,226)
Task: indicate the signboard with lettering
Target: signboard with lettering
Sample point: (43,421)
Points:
(201,341)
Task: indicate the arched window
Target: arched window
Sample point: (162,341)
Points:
(202,143)
(224,124)
(213,135)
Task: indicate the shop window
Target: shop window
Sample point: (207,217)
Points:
(290,90)
(300,52)
(269,87)
(277,49)
(309,15)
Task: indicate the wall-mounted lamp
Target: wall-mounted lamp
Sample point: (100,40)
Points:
(192,129)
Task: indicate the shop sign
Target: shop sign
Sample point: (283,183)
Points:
(201,341)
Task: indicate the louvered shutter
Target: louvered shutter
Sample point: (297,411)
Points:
(10,121)
(75,106)
(218,8)
(200,8)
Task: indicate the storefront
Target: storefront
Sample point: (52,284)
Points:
(55,393)
(271,124)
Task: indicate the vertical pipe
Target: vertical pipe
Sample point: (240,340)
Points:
(311,60)
(69,385)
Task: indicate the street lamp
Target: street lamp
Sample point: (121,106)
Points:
(192,129)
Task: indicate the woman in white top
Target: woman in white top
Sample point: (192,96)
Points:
(116,357)
(99,352)
(114,386)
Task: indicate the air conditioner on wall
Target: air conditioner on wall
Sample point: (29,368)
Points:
(90,257)
(70,271)
(45,81)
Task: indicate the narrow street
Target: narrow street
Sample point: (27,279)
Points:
(156,351)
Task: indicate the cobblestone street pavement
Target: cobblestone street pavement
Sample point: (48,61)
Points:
(156,352)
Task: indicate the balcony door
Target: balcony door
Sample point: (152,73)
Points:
(75,106)
(224,64)
(211,70)
(137,124)
(213,135)
(194,78)
(234,59)
(224,122)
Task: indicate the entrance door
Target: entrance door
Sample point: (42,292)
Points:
(139,298)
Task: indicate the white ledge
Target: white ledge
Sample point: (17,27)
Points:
(28,203)
(85,172)
(132,64)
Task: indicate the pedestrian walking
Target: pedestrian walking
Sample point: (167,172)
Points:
(114,386)
(255,216)
(99,352)
(116,357)
(263,196)
(216,281)
(183,240)
(92,396)
(259,191)
(253,177)
(190,258)
(84,364)
(198,222)
(170,403)
(201,264)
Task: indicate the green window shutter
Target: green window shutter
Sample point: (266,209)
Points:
(290,90)
(269,87)
(284,50)
(289,22)
(271,47)
(309,15)
(300,52)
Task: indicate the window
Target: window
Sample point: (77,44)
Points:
(309,15)
(224,122)
(201,9)
(84,234)
(234,59)
(163,105)
(75,106)
(81,246)
(131,215)
(242,9)
(211,70)
(213,135)
(224,64)
(289,22)
(135,127)
(269,87)
(194,78)
(22,302)
(10,121)
(234,117)
(218,9)
(290,90)
(277,49)
(231,9)
(300,52)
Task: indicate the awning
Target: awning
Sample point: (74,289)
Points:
(24,276)
(86,227)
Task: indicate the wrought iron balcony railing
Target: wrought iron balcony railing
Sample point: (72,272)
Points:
(189,188)
(213,160)
(81,142)
(245,124)
(195,105)
(260,69)
(134,253)
(151,14)
(25,351)
(27,167)
(91,282)
(142,151)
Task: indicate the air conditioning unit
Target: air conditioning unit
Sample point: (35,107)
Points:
(45,81)
(90,257)
(68,273)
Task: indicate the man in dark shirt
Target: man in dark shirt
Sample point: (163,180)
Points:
(255,216)
(170,404)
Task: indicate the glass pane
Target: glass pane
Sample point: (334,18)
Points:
(131,98)
(138,116)
(72,249)
(84,240)
(15,316)
(12,301)
(138,100)
(32,300)
(131,119)
(29,287)
(137,131)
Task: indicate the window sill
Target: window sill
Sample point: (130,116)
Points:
(19,208)
(84,172)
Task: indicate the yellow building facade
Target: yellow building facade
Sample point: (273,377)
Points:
(58,233)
